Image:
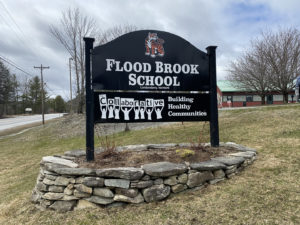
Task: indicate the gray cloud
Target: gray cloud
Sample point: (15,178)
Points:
(228,24)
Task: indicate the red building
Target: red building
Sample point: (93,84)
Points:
(231,96)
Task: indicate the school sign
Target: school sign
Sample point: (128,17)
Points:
(149,76)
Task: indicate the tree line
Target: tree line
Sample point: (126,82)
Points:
(16,95)
(271,64)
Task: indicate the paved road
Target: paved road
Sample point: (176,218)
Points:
(23,120)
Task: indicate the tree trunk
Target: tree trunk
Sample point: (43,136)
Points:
(78,92)
(5,109)
(263,99)
(285,97)
(82,73)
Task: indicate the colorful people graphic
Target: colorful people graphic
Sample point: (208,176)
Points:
(113,106)
(110,111)
(142,112)
(126,111)
(158,112)
(103,105)
(103,111)
(149,112)
(136,110)
(117,112)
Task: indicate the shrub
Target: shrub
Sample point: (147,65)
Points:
(183,153)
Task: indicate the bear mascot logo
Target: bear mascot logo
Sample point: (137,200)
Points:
(154,45)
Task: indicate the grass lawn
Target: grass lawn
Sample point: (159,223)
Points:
(267,192)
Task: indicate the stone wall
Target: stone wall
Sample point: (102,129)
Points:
(62,186)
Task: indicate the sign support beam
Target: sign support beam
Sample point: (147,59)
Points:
(214,122)
(89,100)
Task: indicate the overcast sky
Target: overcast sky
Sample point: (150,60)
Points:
(229,24)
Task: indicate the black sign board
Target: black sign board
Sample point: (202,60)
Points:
(120,107)
(149,60)
(149,76)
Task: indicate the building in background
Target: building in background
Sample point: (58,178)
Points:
(231,96)
(297,89)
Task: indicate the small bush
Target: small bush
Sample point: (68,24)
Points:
(183,153)
(107,143)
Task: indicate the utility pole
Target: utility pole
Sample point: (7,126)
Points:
(70,84)
(42,85)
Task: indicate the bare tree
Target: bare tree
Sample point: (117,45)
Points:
(250,71)
(111,34)
(73,27)
(282,52)
(272,63)
(114,32)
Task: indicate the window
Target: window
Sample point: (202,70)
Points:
(277,97)
(249,98)
(239,98)
(256,98)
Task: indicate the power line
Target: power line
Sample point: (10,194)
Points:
(24,38)
(10,62)
(12,28)
(49,89)
(54,91)
(10,15)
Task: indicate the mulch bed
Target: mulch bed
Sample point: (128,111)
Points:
(112,159)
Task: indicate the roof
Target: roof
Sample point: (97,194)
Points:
(229,86)
(233,86)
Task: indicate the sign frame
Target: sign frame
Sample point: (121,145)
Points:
(90,117)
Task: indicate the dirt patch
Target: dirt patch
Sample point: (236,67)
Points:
(111,159)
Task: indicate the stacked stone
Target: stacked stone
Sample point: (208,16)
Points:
(62,186)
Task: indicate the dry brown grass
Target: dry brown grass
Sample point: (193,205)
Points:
(268,192)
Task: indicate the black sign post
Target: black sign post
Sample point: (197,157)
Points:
(89,101)
(214,122)
(149,76)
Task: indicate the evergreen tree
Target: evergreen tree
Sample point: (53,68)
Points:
(8,85)
(60,105)
(35,94)
(25,101)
